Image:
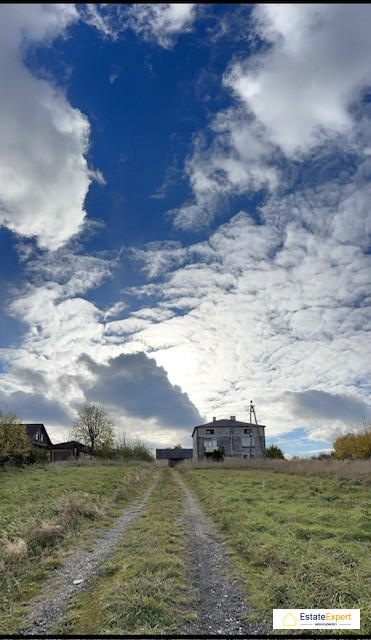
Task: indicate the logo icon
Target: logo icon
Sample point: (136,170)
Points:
(289,620)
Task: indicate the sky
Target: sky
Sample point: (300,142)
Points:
(184,217)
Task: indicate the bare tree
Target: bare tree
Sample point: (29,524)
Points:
(94,426)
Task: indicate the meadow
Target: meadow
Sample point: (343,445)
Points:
(298,540)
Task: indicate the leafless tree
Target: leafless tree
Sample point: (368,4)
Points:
(94,426)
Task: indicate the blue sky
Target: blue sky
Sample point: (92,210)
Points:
(184,211)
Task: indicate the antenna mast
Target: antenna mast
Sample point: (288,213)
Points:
(252,413)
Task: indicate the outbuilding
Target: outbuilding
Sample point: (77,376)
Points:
(172,457)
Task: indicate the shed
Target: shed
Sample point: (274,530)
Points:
(172,457)
(66,450)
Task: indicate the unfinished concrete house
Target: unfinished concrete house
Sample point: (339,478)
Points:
(229,438)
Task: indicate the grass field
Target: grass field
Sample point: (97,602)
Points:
(297,541)
(143,588)
(46,510)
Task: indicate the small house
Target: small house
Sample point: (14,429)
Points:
(172,457)
(39,437)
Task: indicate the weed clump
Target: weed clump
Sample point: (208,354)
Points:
(75,505)
(45,532)
(12,553)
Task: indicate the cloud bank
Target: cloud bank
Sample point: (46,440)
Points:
(135,384)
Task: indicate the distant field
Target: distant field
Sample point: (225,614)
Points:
(298,541)
(46,510)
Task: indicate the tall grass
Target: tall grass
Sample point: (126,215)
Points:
(327,468)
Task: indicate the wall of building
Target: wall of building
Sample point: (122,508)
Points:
(230,441)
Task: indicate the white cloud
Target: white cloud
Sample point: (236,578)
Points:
(43,172)
(161,22)
(301,89)
(97,175)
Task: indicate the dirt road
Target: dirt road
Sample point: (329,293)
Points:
(219,605)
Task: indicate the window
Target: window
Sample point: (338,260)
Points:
(247,431)
(248,442)
(42,437)
(209,431)
(210,443)
(37,436)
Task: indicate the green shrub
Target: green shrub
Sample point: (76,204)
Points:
(274,452)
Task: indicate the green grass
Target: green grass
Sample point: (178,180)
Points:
(143,588)
(32,496)
(297,542)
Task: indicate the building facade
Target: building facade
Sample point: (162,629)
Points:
(228,438)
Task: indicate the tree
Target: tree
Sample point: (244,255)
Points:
(274,452)
(94,426)
(355,444)
(177,446)
(15,446)
(126,450)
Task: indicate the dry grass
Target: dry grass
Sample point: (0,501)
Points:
(75,505)
(12,553)
(45,532)
(352,469)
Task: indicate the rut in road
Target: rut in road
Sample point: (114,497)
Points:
(81,565)
(220,604)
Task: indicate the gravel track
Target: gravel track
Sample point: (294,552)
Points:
(220,604)
(80,565)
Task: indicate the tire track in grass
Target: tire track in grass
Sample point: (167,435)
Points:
(143,589)
(220,604)
(79,566)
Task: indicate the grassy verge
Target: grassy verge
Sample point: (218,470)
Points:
(297,542)
(46,511)
(143,588)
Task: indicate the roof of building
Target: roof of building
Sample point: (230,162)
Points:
(225,422)
(174,454)
(34,428)
(69,445)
